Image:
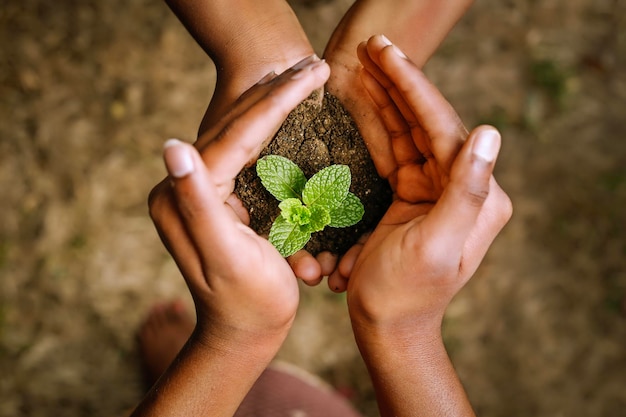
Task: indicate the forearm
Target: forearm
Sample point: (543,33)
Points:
(246,39)
(432,20)
(411,372)
(209,378)
(229,32)
(429,22)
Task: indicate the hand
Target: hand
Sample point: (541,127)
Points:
(239,282)
(419,27)
(245,293)
(242,57)
(447,207)
(446,211)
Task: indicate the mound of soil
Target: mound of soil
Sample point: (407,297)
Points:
(319,133)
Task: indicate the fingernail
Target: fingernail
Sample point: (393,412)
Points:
(486,145)
(178,160)
(309,67)
(395,49)
(399,52)
(267,78)
(306,61)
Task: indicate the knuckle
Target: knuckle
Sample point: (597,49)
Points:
(236,129)
(476,196)
(189,210)
(192,206)
(161,204)
(453,130)
(435,258)
(501,205)
(397,133)
(440,264)
(506,208)
(156,202)
(279,110)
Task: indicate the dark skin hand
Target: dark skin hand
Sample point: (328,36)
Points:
(240,37)
(447,210)
(244,305)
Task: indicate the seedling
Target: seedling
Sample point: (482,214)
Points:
(305,206)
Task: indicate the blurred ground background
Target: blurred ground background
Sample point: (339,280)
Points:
(90,90)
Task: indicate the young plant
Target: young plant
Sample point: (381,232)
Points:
(305,206)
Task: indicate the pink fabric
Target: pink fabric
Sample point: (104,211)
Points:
(284,394)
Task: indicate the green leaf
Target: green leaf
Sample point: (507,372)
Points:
(349,213)
(286,237)
(320,218)
(328,187)
(281,177)
(295,212)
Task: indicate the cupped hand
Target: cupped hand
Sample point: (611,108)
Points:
(240,283)
(305,266)
(447,206)
(418,27)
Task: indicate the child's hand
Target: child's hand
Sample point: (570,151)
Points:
(447,207)
(241,286)
(446,211)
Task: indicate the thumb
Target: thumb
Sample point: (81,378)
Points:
(204,214)
(454,215)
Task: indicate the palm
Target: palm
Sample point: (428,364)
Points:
(360,22)
(410,205)
(398,242)
(345,84)
(261,275)
(224,262)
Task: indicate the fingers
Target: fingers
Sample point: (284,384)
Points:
(242,139)
(373,49)
(247,99)
(431,113)
(396,115)
(327,261)
(198,217)
(305,267)
(369,54)
(338,280)
(238,209)
(455,215)
(404,147)
(172,231)
(208,131)
(208,222)
(311,269)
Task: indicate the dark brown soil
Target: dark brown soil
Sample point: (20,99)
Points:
(315,136)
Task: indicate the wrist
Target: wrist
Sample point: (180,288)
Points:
(250,343)
(416,314)
(398,334)
(410,369)
(211,375)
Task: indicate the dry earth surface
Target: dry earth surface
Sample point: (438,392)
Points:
(90,90)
